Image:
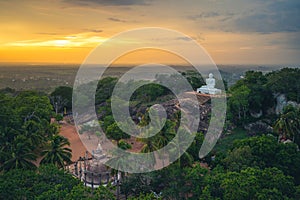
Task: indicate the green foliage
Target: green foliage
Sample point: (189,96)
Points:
(239,158)
(194,180)
(194,78)
(114,132)
(80,192)
(262,89)
(171,182)
(238,103)
(24,130)
(124,145)
(194,148)
(62,95)
(59,117)
(20,156)
(254,168)
(225,143)
(108,120)
(104,89)
(56,152)
(251,168)
(285,81)
(251,183)
(288,123)
(264,152)
(150,196)
(149,92)
(260,96)
(136,184)
(31,106)
(47,182)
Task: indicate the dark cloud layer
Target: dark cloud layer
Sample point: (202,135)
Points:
(281,16)
(269,16)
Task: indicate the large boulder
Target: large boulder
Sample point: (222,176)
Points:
(258,128)
(281,102)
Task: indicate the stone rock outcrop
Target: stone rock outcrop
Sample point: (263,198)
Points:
(281,102)
(258,127)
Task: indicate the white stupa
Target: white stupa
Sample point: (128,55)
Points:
(209,88)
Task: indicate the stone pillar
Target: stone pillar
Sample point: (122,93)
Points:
(76,168)
(107,178)
(85,178)
(80,170)
(92,182)
(100,179)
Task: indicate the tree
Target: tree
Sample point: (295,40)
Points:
(56,152)
(62,96)
(25,128)
(149,196)
(34,131)
(285,81)
(250,97)
(288,123)
(239,103)
(104,89)
(239,158)
(80,192)
(194,78)
(251,183)
(32,106)
(194,148)
(149,92)
(47,182)
(194,180)
(265,152)
(114,132)
(136,184)
(178,148)
(20,156)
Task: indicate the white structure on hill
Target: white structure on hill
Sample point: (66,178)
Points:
(209,88)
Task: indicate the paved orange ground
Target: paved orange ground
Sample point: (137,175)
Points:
(69,131)
(78,149)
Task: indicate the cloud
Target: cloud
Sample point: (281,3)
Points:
(204,15)
(92,30)
(290,41)
(116,20)
(260,16)
(96,31)
(46,33)
(184,38)
(277,16)
(109,2)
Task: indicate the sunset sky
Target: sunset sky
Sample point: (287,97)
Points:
(232,31)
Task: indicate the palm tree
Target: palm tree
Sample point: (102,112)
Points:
(56,152)
(34,132)
(288,124)
(150,145)
(178,144)
(20,155)
(165,136)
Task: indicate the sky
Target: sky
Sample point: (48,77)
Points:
(231,31)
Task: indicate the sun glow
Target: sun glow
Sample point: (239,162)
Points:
(61,43)
(77,40)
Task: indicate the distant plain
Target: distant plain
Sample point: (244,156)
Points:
(46,77)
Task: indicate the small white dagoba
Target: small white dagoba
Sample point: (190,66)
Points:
(209,88)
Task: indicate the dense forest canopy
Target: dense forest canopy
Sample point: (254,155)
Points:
(247,163)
